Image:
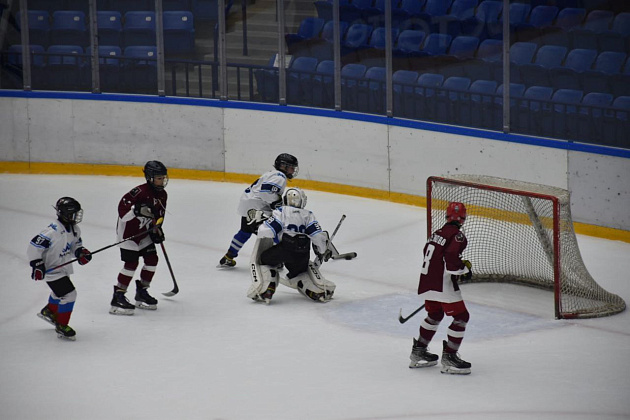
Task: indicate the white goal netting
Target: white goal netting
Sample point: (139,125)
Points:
(522,233)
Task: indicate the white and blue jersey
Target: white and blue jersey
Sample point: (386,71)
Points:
(265,191)
(55,245)
(291,221)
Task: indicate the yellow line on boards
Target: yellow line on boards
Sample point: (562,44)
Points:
(193,174)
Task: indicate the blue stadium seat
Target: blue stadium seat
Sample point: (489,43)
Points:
(38,64)
(179,32)
(517,90)
(140,68)
(448,99)
(537,73)
(109,67)
(322,91)
(539,18)
(570,74)
(267,81)
(309,28)
(406,10)
(476,105)
(486,16)
(357,38)
(526,118)
(208,10)
(522,52)
(324,9)
(299,75)
(403,82)
(69,28)
(615,123)
(109,28)
(322,47)
(64,68)
(371,91)
(596,22)
(487,61)
(374,55)
(590,118)
(436,44)
(558,34)
(350,13)
(409,42)
(424,95)
(38,27)
(561,121)
(139,28)
(617,38)
(463,9)
(434,8)
(464,47)
(351,74)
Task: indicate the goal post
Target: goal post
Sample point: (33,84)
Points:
(520,232)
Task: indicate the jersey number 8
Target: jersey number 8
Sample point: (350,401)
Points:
(427,259)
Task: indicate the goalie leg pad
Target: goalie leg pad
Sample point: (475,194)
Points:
(313,285)
(264,282)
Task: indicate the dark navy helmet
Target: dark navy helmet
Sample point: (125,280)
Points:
(287,164)
(155,168)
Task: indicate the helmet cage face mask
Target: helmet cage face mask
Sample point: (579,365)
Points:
(69,211)
(287,164)
(294,197)
(154,169)
(456,212)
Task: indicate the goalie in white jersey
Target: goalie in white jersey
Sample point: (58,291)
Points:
(285,238)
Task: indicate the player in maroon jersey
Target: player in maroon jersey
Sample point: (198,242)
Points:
(138,211)
(441,269)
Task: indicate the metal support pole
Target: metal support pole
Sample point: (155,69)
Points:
(282,75)
(159,31)
(26,50)
(96,79)
(223,91)
(506,66)
(389,95)
(337,55)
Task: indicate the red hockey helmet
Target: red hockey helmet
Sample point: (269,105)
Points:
(456,212)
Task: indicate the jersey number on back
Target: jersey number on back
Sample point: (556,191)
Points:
(427,259)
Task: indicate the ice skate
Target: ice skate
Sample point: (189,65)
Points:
(226,262)
(120,304)
(143,299)
(420,356)
(48,316)
(453,364)
(65,332)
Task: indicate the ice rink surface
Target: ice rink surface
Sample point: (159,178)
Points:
(211,353)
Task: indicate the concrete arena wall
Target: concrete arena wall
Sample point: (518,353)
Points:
(363,152)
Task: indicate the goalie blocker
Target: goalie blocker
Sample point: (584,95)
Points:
(265,279)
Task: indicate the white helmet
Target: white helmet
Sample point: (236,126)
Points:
(294,197)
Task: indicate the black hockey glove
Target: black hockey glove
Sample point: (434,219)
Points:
(143,210)
(276,204)
(84,256)
(157,235)
(39,270)
(468,275)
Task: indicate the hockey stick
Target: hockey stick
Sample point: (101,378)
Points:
(175,287)
(402,319)
(320,259)
(347,256)
(159,222)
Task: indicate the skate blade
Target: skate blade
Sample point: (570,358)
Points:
(114,310)
(226,266)
(45,319)
(142,305)
(454,371)
(418,365)
(63,337)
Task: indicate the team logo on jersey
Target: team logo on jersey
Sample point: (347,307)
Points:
(459,237)
(134,192)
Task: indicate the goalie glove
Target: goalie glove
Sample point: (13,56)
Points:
(468,275)
(255,217)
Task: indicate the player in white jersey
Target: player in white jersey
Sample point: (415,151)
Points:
(57,244)
(264,194)
(285,238)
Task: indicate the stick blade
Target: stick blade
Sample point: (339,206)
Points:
(172,292)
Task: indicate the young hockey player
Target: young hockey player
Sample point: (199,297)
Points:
(264,194)
(57,244)
(291,228)
(441,269)
(138,211)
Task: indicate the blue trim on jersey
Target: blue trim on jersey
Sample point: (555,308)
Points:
(313,228)
(276,227)
(270,188)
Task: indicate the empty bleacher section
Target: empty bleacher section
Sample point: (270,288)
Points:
(569,59)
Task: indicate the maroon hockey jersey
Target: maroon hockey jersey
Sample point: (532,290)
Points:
(442,265)
(130,225)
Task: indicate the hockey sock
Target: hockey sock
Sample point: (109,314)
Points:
(126,274)
(66,305)
(53,304)
(456,331)
(429,326)
(237,242)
